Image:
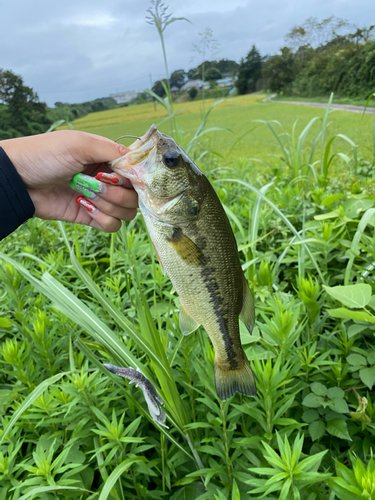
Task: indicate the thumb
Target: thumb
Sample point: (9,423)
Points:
(97,149)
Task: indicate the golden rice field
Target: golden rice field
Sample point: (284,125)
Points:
(239,115)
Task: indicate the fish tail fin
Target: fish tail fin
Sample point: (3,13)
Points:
(228,382)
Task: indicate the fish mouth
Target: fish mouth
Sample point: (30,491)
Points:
(132,164)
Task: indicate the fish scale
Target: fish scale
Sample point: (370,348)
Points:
(196,247)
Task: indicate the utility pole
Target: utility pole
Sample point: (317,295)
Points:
(150,89)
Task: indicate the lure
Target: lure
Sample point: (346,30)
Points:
(152,398)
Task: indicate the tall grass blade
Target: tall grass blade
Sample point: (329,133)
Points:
(366,217)
(282,216)
(46,489)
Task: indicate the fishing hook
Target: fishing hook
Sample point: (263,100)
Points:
(133,136)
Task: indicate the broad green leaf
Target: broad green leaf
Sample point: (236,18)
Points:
(313,401)
(371,358)
(319,389)
(353,296)
(5,323)
(309,416)
(356,360)
(335,392)
(367,375)
(317,429)
(355,330)
(371,303)
(343,313)
(338,405)
(337,427)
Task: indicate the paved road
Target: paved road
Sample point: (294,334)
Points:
(343,107)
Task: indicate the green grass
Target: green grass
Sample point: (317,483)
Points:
(239,114)
(71,295)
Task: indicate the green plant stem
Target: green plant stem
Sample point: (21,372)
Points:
(227,457)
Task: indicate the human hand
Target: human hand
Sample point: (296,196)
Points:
(46,163)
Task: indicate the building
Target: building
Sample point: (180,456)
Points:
(124,96)
(195,83)
(225,82)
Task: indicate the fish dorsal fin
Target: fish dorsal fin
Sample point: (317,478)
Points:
(186,248)
(187,322)
(247,313)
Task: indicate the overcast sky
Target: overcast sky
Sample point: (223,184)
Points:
(73,51)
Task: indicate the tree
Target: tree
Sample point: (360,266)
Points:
(314,32)
(280,70)
(213,74)
(193,92)
(27,115)
(191,73)
(249,71)
(178,78)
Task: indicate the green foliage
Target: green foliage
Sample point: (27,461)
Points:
(249,72)
(21,113)
(354,484)
(324,57)
(193,92)
(289,475)
(70,112)
(213,74)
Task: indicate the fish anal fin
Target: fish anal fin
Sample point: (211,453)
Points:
(247,313)
(228,382)
(187,322)
(186,248)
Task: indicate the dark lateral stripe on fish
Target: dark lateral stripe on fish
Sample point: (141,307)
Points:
(207,274)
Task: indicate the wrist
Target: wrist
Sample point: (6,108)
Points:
(14,149)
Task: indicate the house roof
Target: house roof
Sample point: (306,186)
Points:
(192,83)
(225,80)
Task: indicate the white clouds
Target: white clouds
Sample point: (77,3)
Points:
(96,20)
(75,51)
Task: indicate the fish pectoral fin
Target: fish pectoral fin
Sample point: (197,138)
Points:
(187,322)
(247,313)
(185,247)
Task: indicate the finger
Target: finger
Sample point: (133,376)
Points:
(107,178)
(99,220)
(93,188)
(96,149)
(126,211)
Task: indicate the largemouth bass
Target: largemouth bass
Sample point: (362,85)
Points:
(195,245)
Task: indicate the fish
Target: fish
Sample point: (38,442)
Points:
(152,398)
(196,247)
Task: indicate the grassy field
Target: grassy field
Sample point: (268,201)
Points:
(239,115)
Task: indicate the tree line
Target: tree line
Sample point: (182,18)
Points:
(319,57)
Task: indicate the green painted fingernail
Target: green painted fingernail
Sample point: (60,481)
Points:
(86,192)
(87,182)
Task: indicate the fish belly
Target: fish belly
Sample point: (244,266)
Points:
(211,291)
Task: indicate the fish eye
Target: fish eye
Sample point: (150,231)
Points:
(171,159)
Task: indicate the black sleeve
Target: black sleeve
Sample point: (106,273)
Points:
(15,203)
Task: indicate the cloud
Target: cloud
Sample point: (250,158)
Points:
(75,51)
